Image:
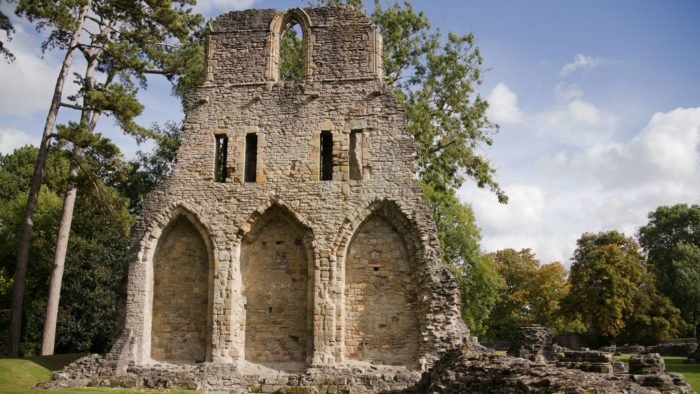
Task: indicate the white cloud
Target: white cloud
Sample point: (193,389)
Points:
(28,82)
(665,150)
(669,142)
(580,61)
(524,208)
(572,121)
(577,122)
(10,139)
(566,93)
(503,105)
(216,7)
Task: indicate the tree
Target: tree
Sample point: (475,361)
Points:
(686,264)
(671,240)
(122,42)
(654,317)
(530,294)
(512,310)
(478,280)
(98,248)
(546,289)
(456,226)
(62,22)
(148,170)
(479,285)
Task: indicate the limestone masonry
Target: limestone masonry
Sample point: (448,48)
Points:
(292,233)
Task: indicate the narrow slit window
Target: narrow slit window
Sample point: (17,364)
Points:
(326,156)
(356,155)
(220,162)
(251,156)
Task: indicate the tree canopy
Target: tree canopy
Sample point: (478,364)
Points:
(671,240)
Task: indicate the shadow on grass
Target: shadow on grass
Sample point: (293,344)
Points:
(55,362)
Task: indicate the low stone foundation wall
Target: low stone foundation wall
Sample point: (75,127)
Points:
(683,347)
(478,372)
(591,361)
(91,371)
(472,369)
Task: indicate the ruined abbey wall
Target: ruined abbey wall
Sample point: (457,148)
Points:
(292,230)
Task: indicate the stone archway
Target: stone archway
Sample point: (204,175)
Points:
(275,269)
(180,294)
(380,291)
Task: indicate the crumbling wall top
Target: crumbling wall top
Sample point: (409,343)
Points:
(339,43)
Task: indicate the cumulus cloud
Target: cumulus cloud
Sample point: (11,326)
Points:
(578,123)
(10,139)
(572,120)
(580,61)
(215,7)
(524,208)
(665,150)
(503,105)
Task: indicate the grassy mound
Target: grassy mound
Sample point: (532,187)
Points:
(19,375)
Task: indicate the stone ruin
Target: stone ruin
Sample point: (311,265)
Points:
(291,250)
(292,234)
(534,343)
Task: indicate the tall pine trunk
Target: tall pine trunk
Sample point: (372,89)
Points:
(15,329)
(49,335)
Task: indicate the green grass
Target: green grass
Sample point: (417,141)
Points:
(19,375)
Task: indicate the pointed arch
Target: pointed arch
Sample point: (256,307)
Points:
(378,252)
(277,256)
(280,23)
(180,256)
(392,212)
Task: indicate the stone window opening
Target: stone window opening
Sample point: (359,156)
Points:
(251,156)
(220,173)
(356,155)
(326,169)
(290,47)
(291,54)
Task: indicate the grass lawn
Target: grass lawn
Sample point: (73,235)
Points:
(19,375)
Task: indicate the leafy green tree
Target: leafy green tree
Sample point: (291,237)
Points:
(605,276)
(654,317)
(96,261)
(478,280)
(512,310)
(671,240)
(456,225)
(478,288)
(686,264)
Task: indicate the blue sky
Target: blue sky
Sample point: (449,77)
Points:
(598,103)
